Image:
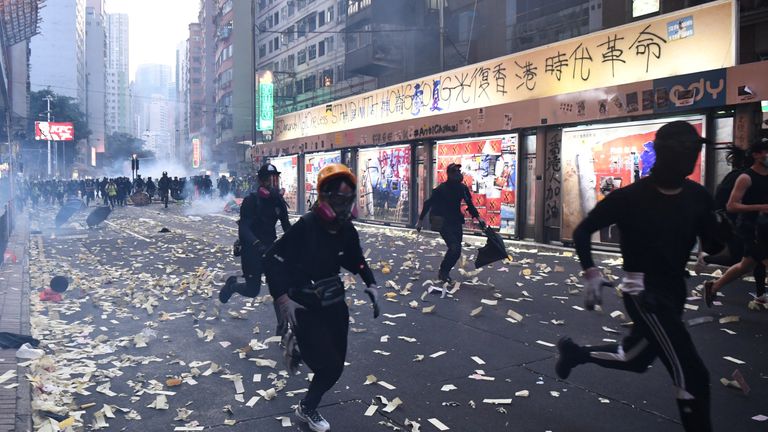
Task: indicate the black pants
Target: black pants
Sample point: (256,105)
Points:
(662,334)
(322,338)
(251,262)
(452,234)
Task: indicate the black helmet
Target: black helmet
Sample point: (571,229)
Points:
(267,170)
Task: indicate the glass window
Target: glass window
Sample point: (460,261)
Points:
(312,52)
(277,18)
(330,14)
(321,48)
(277,43)
(320,19)
(302,56)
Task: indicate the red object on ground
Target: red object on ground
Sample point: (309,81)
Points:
(50,295)
(9,256)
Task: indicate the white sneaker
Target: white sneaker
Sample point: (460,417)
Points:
(763,299)
(313,419)
(700,266)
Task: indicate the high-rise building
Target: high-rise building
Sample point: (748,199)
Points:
(118,80)
(181,102)
(207,132)
(96,72)
(58,53)
(153,109)
(234,84)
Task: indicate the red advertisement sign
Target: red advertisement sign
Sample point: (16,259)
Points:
(50,131)
(197,154)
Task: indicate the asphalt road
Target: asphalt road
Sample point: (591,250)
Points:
(142,308)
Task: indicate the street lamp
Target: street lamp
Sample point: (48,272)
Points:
(134,166)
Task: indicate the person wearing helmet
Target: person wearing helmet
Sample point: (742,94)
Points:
(446,216)
(259,213)
(164,187)
(302,270)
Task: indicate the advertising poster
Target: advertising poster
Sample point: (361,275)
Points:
(313,163)
(600,159)
(384,175)
(289,179)
(489,165)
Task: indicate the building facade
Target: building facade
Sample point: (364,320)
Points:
(153,108)
(96,74)
(181,117)
(58,52)
(118,78)
(205,136)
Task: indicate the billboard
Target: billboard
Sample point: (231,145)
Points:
(313,163)
(489,165)
(384,175)
(54,131)
(597,160)
(266,106)
(197,153)
(288,166)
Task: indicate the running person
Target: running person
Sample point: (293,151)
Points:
(749,199)
(303,275)
(659,218)
(446,216)
(259,213)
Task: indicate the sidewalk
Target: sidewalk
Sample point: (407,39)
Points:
(15,402)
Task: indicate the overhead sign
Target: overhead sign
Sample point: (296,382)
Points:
(266,103)
(639,51)
(50,131)
(197,156)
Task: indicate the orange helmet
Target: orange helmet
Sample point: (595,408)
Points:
(333,171)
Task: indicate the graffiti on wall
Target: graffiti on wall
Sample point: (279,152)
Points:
(552,179)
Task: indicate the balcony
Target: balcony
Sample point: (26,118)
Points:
(374,59)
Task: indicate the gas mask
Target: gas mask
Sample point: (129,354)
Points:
(337,207)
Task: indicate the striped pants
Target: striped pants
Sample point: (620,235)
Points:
(661,333)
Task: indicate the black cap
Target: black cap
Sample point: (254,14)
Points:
(453,167)
(679,131)
(267,170)
(759,145)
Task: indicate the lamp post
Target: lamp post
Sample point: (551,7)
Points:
(134,166)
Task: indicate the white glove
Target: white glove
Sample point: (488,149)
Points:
(373,294)
(594,281)
(288,308)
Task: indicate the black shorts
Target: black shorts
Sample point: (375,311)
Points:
(755,239)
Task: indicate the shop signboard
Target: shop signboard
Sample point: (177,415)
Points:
(197,153)
(596,160)
(653,48)
(697,90)
(288,167)
(54,131)
(489,165)
(313,163)
(384,176)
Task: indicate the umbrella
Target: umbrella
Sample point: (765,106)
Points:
(97,216)
(67,210)
(494,249)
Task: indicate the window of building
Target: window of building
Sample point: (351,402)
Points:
(291,8)
(262,50)
(312,51)
(310,83)
(277,18)
(276,41)
(321,48)
(299,87)
(290,34)
(270,22)
(302,56)
(326,79)
(291,63)
(320,19)
(329,14)
(275,66)
(340,73)
(329,44)
(311,23)
(270,45)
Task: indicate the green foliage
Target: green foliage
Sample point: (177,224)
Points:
(122,146)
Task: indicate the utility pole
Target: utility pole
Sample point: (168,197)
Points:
(254,79)
(48,98)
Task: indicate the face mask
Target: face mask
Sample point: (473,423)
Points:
(765,161)
(455,176)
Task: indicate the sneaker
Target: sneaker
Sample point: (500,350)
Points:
(762,300)
(312,418)
(571,355)
(701,265)
(709,295)
(444,278)
(227,290)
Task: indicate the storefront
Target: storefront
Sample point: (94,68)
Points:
(598,159)
(288,166)
(384,180)
(489,165)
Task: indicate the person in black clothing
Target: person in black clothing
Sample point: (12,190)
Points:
(259,213)
(164,188)
(749,199)
(302,271)
(659,218)
(446,216)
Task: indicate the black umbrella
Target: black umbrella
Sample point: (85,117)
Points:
(67,210)
(494,249)
(97,216)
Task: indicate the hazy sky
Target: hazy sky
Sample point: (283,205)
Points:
(156,28)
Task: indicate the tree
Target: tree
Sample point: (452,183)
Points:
(122,146)
(63,109)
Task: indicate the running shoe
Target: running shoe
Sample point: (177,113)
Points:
(762,300)
(571,355)
(444,278)
(312,418)
(709,295)
(228,289)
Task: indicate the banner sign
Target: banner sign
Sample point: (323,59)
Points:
(50,131)
(654,48)
(197,156)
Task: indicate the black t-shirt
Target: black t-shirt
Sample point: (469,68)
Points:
(258,217)
(445,201)
(308,253)
(657,230)
(757,193)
